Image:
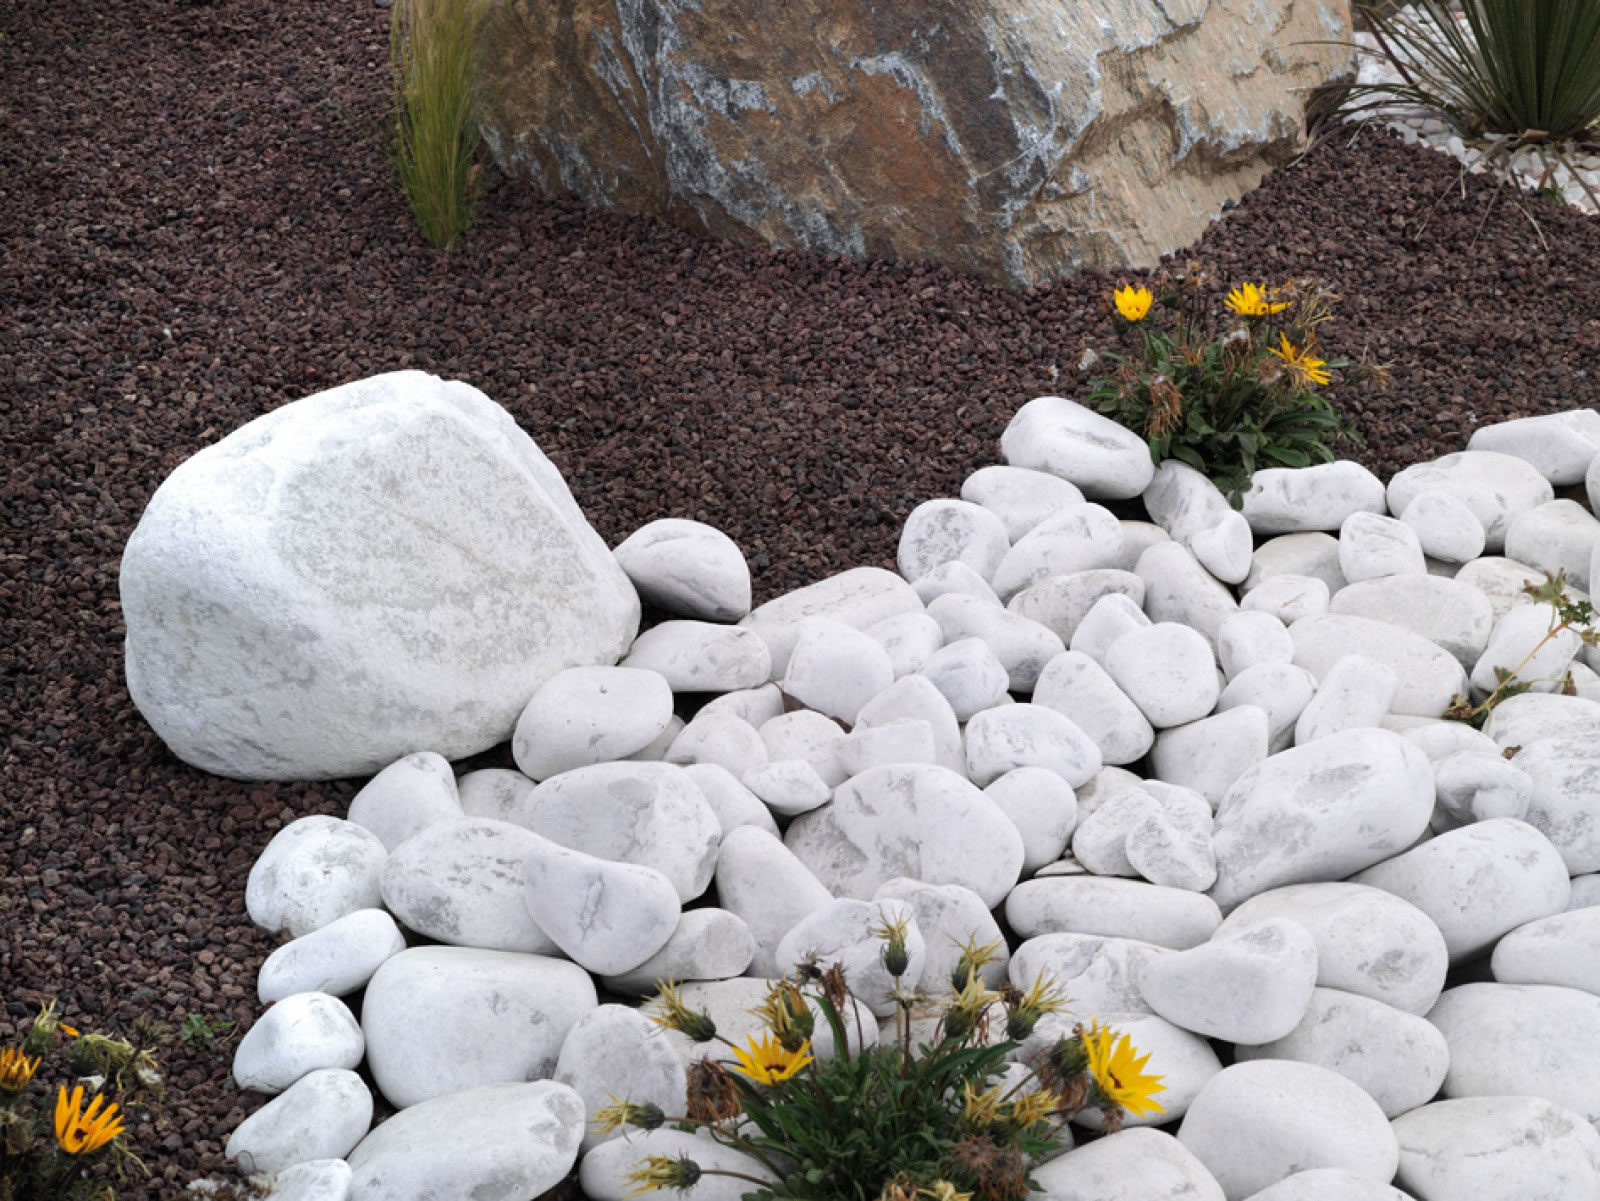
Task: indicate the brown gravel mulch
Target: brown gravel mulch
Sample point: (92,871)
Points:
(198,226)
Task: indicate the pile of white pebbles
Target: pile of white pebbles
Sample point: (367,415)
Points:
(1185,760)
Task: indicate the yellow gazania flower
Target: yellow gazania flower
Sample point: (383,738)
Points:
(766,1062)
(980,1107)
(1029,1110)
(1250,300)
(1133,303)
(1301,362)
(80,1131)
(1118,1069)
(16,1069)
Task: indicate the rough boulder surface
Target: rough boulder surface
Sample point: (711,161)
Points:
(1013,139)
(387,565)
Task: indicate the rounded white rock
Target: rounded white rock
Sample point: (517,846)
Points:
(406,796)
(314,871)
(336,959)
(323,1115)
(687,568)
(951,531)
(587,715)
(299,1034)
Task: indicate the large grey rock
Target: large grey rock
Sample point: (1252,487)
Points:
(336,959)
(1252,985)
(1566,782)
(1112,908)
(1428,676)
(1497,1149)
(1562,949)
(1496,487)
(1289,500)
(440,1019)
(318,594)
(609,917)
(323,1115)
(1132,1165)
(300,1034)
(951,531)
(1456,616)
(687,568)
(1560,446)
(1019,496)
(314,871)
(501,1142)
(1559,536)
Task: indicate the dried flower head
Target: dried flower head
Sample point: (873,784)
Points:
(1032,1108)
(981,1107)
(1166,407)
(1000,1171)
(713,1094)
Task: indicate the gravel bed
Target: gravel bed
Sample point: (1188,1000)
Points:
(199,226)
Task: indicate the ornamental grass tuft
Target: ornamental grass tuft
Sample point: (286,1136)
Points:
(962,1117)
(436,136)
(1226,393)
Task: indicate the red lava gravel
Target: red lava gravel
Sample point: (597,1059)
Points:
(199,226)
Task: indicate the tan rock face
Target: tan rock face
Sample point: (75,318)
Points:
(1012,139)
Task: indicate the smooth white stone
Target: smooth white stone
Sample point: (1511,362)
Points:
(461,883)
(850,933)
(1523,1040)
(953,578)
(1107,783)
(860,597)
(1497,1149)
(344,539)
(1111,908)
(1429,676)
(1173,847)
(1280,690)
(1041,805)
(612,1054)
(1310,554)
(1355,693)
(1519,641)
(687,568)
(1099,975)
(1225,549)
(406,796)
(646,813)
(1561,536)
(1112,616)
(323,1115)
(1137,537)
(656,751)
(909,820)
(1525,718)
(1566,782)
(1474,787)
(1167,670)
(909,740)
(731,802)
(708,944)
(503,1142)
(1442,739)
(1022,645)
(336,959)
(1132,1165)
(1503,581)
(918,698)
(1075,685)
(1591,484)
(1249,639)
(1019,496)
(1178,589)
(762,881)
(1078,538)
(1060,602)
(587,715)
(1000,740)
(604,1174)
(1100,843)
(300,1034)
(1104,459)
(732,1006)
(1254,1124)
(1478,882)
(1287,597)
(951,918)
(494,792)
(1397,1058)
(1563,950)
(313,1180)
(1251,985)
(1210,754)
(1288,500)
(436,1019)
(1455,616)
(698,656)
(836,669)
(1494,486)
(314,871)
(1560,446)
(968,675)
(1329,1184)
(789,787)
(1372,545)
(805,734)
(951,531)
(1369,942)
(1585,891)
(608,917)
(1445,527)
(1186,503)
(1272,826)
(909,639)
(757,705)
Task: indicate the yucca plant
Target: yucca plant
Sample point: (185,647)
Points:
(436,136)
(1527,71)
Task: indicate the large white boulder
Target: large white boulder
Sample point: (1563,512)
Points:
(1497,1149)
(319,593)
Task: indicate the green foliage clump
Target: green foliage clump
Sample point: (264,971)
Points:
(435,134)
(1227,398)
